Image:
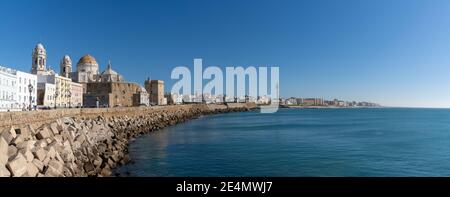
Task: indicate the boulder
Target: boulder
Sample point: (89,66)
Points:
(72,130)
(17,166)
(46,160)
(25,131)
(27,154)
(77,125)
(3,151)
(44,133)
(111,163)
(67,156)
(56,166)
(76,145)
(39,153)
(54,128)
(106,171)
(41,143)
(67,145)
(12,151)
(51,172)
(27,145)
(98,161)
(39,165)
(115,157)
(8,136)
(67,120)
(58,157)
(22,131)
(67,171)
(89,167)
(32,170)
(4,172)
(58,138)
(66,136)
(19,139)
(51,152)
(97,128)
(10,131)
(54,144)
(60,126)
(81,138)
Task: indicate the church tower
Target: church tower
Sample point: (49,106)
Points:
(147,85)
(65,66)
(39,59)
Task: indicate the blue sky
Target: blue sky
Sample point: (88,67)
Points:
(395,52)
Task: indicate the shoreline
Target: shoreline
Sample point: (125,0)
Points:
(380,107)
(90,142)
(328,107)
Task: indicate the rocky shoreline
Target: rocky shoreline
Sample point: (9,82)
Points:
(81,145)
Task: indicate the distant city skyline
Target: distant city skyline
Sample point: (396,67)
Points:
(395,53)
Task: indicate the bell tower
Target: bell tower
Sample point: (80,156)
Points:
(65,66)
(39,59)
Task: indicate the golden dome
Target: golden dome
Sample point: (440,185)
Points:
(87,59)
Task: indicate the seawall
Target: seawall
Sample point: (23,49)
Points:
(85,142)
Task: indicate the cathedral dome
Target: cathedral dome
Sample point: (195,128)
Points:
(109,75)
(88,64)
(109,70)
(87,59)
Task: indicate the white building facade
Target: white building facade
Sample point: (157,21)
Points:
(76,94)
(15,90)
(8,89)
(62,89)
(25,82)
(46,95)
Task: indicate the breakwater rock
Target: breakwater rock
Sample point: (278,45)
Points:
(84,142)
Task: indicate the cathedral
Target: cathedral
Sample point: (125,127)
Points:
(86,82)
(88,71)
(87,68)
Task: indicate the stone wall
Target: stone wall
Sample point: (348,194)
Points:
(84,142)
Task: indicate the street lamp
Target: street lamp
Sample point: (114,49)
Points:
(30,89)
(56,96)
(69,93)
(97,102)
